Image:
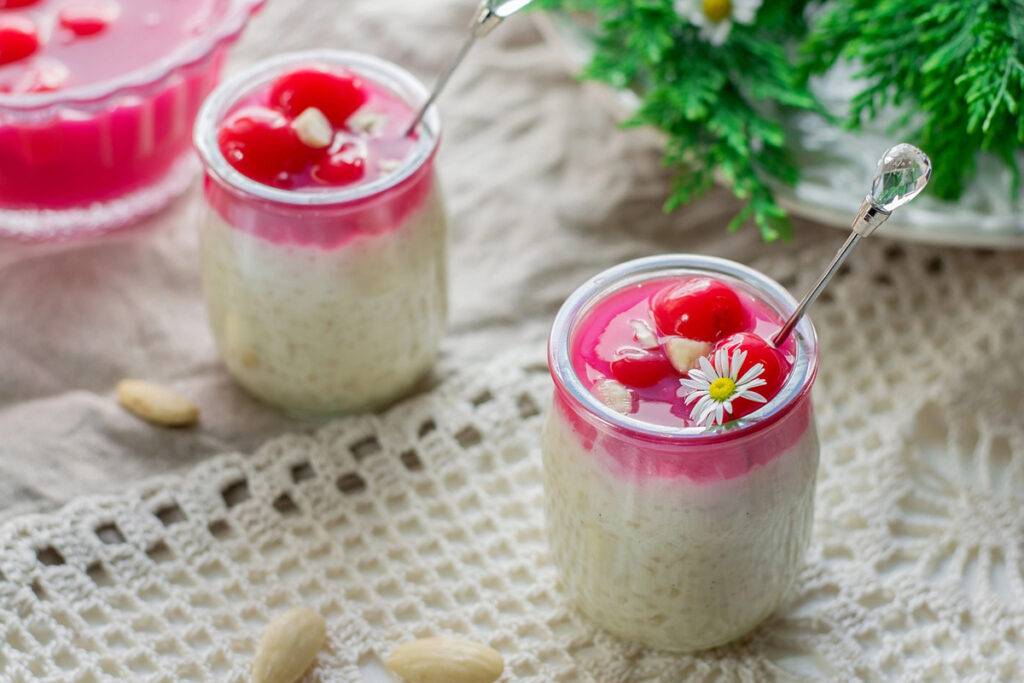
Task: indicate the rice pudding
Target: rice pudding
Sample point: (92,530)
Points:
(680,451)
(324,241)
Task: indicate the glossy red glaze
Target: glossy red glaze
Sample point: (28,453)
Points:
(337,93)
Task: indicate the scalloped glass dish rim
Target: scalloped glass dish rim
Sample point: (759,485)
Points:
(233,21)
(929,220)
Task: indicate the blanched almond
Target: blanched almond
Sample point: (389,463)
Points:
(313,128)
(288,646)
(683,353)
(616,396)
(644,334)
(369,122)
(156,404)
(446,660)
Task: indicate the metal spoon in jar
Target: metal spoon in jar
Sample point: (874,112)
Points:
(488,16)
(902,173)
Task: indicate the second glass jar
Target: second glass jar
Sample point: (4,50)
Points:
(328,301)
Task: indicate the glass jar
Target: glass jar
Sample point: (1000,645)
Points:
(681,538)
(332,300)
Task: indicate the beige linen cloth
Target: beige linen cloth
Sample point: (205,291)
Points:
(542,189)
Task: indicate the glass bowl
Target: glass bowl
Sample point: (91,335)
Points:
(99,156)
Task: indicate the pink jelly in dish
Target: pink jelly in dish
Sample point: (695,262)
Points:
(97,100)
(674,530)
(324,240)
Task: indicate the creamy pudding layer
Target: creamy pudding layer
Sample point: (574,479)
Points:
(677,562)
(322,330)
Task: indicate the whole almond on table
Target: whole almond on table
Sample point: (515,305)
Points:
(288,646)
(156,404)
(446,660)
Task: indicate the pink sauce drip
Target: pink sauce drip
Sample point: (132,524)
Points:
(607,328)
(143,32)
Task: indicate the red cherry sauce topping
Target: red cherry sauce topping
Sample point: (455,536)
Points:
(337,94)
(19,38)
(88,17)
(262,144)
(699,308)
(49,45)
(607,345)
(365,137)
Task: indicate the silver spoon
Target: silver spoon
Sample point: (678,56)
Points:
(902,173)
(488,16)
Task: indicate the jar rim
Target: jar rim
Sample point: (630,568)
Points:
(798,384)
(381,71)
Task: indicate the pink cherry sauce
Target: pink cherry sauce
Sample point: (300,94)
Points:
(382,152)
(607,328)
(78,154)
(127,35)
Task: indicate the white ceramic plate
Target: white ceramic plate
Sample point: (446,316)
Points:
(837,165)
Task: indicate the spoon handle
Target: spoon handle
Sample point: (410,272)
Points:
(441,83)
(812,295)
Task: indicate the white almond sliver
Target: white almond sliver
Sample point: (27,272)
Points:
(390,165)
(644,334)
(313,128)
(683,353)
(368,122)
(615,396)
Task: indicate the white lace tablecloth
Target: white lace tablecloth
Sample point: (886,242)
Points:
(427,519)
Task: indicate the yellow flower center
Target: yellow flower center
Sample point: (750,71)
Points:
(717,10)
(721,389)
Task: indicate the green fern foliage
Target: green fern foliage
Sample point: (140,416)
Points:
(956,67)
(718,105)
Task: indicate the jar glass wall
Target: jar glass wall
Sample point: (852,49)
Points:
(681,538)
(331,300)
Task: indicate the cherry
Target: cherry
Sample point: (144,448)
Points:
(262,145)
(11,4)
(341,168)
(776,368)
(337,94)
(87,17)
(43,76)
(698,308)
(640,368)
(19,38)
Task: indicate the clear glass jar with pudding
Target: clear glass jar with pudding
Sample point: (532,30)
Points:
(324,236)
(680,451)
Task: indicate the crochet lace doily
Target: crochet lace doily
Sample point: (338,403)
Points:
(427,520)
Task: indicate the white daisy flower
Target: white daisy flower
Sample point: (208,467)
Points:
(714,17)
(716,386)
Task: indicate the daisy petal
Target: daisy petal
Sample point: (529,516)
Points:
(753,396)
(751,373)
(742,386)
(737,362)
(707,369)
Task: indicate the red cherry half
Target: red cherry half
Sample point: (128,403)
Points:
(640,368)
(19,38)
(262,145)
(776,368)
(337,94)
(341,168)
(87,17)
(12,4)
(698,308)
